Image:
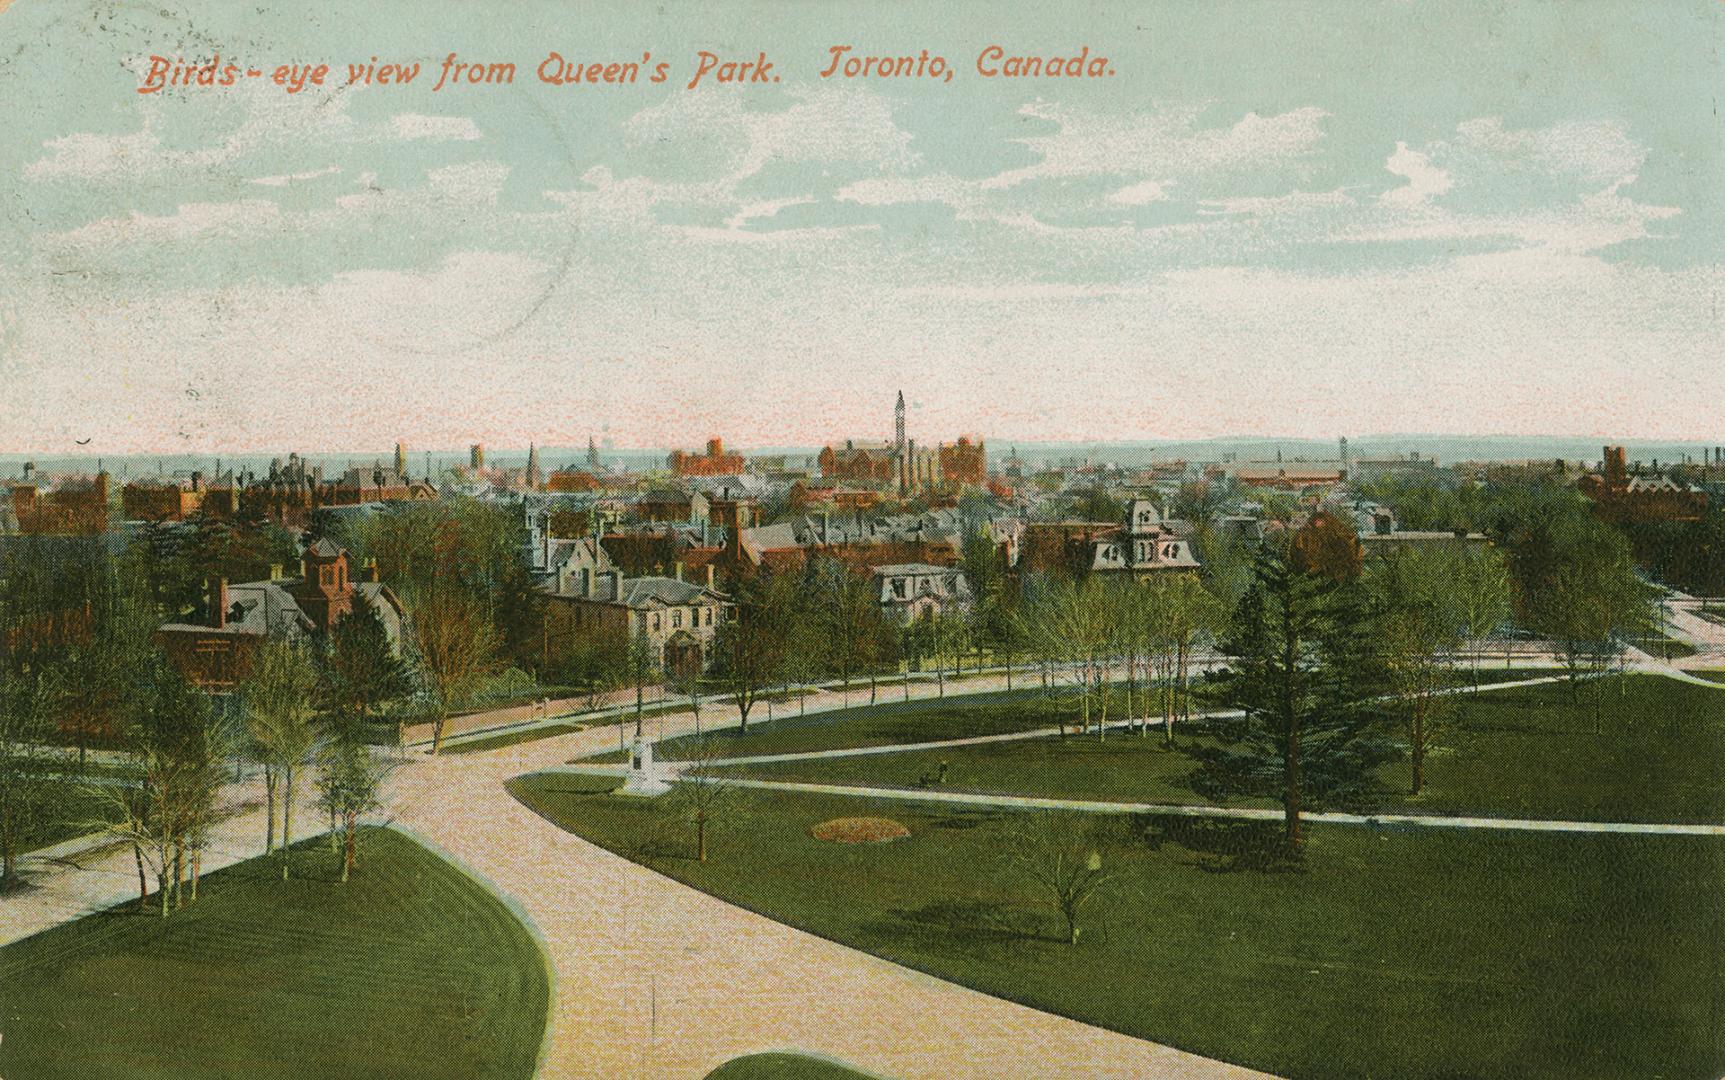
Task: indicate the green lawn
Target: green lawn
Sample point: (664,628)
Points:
(958,715)
(1391,953)
(883,724)
(783,1067)
(409,969)
(1520,752)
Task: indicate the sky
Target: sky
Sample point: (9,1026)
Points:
(1272,219)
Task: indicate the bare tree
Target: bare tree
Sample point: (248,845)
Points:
(456,645)
(1060,853)
(702,790)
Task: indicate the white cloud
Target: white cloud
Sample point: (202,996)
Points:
(295,178)
(188,221)
(1424,180)
(1140,194)
(265,119)
(1161,149)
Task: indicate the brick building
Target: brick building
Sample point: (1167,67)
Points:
(217,653)
(715,462)
(65,506)
(1627,496)
(678,618)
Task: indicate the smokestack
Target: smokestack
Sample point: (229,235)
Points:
(709,575)
(679,571)
(219,603)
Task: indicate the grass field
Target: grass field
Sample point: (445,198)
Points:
(892,720)
(1390,953)
(1518,752)
(783,1067)
(409,969)
(883,724)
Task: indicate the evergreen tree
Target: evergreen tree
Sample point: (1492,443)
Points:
(1307,678)
(361,671)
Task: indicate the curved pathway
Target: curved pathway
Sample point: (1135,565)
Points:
(656,979)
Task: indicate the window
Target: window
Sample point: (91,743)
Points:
(655,621)
(677,619)
(709,616)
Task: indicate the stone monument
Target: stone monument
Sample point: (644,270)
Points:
(644,777)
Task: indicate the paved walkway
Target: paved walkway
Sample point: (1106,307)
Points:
(655,979)
(91,873)
(1243,813)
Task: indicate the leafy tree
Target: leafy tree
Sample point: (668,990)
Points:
(1327,545)
(749,648)
(180,755)
(1481,591)
(282,731)
(350,778)
(1305,677)
(1419,622)
(845,613)
(31,773)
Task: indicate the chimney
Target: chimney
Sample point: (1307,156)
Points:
(679,571)
(218,603)
(709,575)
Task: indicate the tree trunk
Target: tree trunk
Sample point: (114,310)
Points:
(162,885)
(437,723)
(351,846)
(701,838)
(270,807)
(287,816)
(143,883)
(197,866)
(1417,747)
(179,874)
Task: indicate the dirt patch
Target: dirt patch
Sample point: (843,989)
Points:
(859,830)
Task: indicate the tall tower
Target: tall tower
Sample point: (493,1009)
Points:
(898,424)
(476,457)
(400,460)
(532,467)
(1343,447)
(592,453)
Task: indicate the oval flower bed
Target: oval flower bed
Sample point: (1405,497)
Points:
(859,830)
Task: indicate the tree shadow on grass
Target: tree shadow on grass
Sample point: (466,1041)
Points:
(965,923)
(1222,846)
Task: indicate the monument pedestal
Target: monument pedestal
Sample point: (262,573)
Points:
(644,777)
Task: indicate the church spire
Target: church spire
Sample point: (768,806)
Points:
(532,467)
(898,423)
